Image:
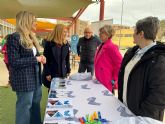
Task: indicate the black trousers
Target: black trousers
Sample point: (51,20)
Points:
(85,66)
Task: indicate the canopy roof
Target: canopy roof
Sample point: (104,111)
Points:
(40,25)
(42,8)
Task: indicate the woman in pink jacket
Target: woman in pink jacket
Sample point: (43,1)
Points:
(107,59)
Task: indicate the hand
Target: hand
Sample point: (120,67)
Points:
(43,59)
(48,77)
(39,58)
(3,51)
(68,74)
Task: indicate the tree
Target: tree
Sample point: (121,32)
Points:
(161,32)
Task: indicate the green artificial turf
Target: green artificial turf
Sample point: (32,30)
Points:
(7,105)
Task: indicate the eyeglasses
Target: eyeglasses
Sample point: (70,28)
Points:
(102,32)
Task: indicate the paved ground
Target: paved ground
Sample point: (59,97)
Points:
(3,73)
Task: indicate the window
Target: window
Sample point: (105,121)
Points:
(128,35)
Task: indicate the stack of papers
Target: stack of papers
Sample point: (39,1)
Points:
(59,103)
(59,106)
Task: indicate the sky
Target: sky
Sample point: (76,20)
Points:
(133,10)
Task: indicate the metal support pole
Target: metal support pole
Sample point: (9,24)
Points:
(101,10)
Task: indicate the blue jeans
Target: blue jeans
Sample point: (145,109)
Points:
(28,106)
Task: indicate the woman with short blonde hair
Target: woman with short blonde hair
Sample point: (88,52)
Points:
(108,29)
(56,51)
(107,59)
(25,69)
(56,35)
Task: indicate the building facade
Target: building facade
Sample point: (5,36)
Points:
(123,36)
(6,28)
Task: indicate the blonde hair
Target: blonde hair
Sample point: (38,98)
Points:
(24,22)
(57,35)
(109,30)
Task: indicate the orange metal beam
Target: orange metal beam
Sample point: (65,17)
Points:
(77,16)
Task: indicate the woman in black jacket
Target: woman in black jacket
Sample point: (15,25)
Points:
(56,51)
(141,80)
